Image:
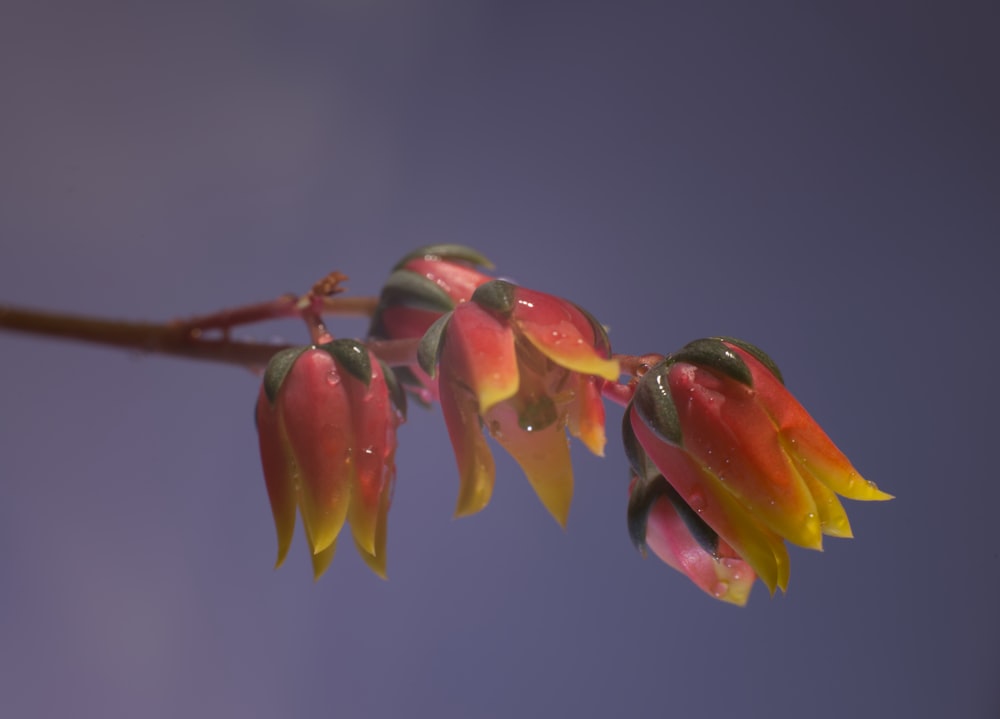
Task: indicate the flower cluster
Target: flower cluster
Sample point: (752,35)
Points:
(726,466)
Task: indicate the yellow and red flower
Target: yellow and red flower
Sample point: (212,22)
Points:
(527,367)
(727,465)
(423,286)
(326,422)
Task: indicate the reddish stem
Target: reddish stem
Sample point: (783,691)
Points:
(617,392)
(185,338)
(173,339)
(635,365)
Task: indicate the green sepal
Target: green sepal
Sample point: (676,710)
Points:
(637,458)
(655,405)
(496,296)
(278,368)
(759,354)
(396,393)
(414,290)
(713,354)
(453,253)
(352,356)
(429,349)
(645,494)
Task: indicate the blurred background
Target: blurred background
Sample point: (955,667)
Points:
(820,179)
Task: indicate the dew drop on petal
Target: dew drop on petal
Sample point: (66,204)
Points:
(720,590)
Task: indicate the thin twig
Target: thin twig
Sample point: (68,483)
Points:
(172,339)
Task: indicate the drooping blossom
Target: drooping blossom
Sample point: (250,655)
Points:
(326,423)
(527,367)
(728,465)
(424,285)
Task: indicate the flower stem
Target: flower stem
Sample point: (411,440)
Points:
(634,365)
(181,338)
(618,392)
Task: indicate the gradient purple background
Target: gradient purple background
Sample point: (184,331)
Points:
(822,181)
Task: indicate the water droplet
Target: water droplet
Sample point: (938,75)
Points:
(812,523)
(720,590)
(333,378)
(697,502)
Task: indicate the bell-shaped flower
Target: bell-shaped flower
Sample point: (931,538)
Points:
(423,286)
(681,538)
(528,367)
(326,422)
(715,425)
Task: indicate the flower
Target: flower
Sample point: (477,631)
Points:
(326,422)
(678,536)
(526,366)
(424,285)
(728,465)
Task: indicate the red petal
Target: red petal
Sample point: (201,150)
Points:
(376,560)
(475,461)
(402,322)
(729,432)
(703,492)
(804,439)
(457,280)
(586,414)
(543,454)
(374,421)
(727,577)
(315,415)
(560,331)
(479,353)
(279,474)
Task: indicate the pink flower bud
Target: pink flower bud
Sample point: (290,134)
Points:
(326,423)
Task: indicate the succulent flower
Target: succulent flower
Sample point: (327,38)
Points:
(326,422)
(728,465)
(424,285)
(527,366)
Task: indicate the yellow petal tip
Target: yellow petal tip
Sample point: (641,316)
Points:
(489,395)
(282,553)
(474,494)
